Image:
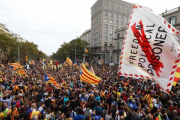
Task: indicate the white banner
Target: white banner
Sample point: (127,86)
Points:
(150,49)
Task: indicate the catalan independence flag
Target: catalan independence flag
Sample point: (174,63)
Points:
(30,113)
(177,75)
(53,101)
(69,61)
(88,77)
(21,72)
(15,66)
(49,79)
(85,50)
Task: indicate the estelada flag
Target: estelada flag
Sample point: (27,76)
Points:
(21,72)
(150,48)
(88,77)
(177,75)
(69,61)
(85,50)
(15,66)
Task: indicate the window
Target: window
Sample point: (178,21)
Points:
(100,38)
(99,44)
(100,20)
(105,38)
(118,45)
(99,26)
(100,32)
(121,17)
(106,20)
(117,16)
(172,20)
(106,32)
(121,23)
(106,26)
(106,14)
(111,21)
(126,23)
(118,35)
(111,15)
(105,43)
(111,28)
(117,22)
(116,7)
(126,18)
(116,27)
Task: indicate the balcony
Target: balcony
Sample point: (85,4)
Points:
(107,48)
(117,50)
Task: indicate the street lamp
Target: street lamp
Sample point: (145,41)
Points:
(111,45)
(18,49)
(74,50)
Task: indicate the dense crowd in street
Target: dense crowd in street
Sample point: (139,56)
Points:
(29,97)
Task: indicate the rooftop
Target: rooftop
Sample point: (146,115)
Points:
(167,12)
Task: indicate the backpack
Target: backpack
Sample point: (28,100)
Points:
(18,104)
(87,113)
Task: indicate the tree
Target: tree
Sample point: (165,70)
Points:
(9,45)
(68,50)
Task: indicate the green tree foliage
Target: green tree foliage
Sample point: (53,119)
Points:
(9,45)
(67,50)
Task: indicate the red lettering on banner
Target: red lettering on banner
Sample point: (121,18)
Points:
(146,48)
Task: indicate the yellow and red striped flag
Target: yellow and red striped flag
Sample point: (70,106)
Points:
(21,72)
(85,50)
(88,77)
(15,66)
(49,79)
(69,61)
(177,75)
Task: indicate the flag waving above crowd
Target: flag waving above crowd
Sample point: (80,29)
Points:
(150,48)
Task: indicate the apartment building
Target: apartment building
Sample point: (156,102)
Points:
(86,36)
(173,17)
(106,17)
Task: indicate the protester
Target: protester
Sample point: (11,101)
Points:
(29,97)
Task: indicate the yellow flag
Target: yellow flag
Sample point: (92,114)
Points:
(26,58)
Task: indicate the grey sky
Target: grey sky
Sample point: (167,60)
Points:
(49,23)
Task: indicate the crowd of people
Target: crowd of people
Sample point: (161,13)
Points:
(29,97)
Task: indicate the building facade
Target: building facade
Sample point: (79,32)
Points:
(106,17)
(173,17)
(119,37)
(3,28)
(86,36)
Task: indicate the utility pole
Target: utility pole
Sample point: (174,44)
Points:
(111,45)
(18,51)
(75,51)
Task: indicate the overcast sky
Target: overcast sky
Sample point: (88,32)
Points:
(49,23)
